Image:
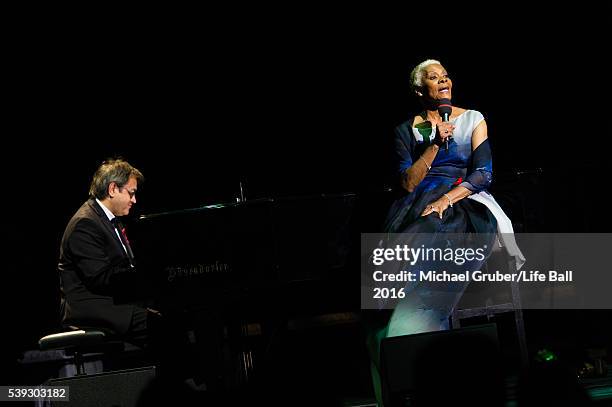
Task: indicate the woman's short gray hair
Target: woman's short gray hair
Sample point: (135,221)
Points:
(416,76)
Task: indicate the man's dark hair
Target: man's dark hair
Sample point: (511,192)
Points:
(115,170)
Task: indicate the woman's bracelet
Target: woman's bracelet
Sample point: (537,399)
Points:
(428,166)
(450,201)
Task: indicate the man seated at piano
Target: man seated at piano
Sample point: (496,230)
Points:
(94,251)
(95,259)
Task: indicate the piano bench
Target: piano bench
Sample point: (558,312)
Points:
(86,348)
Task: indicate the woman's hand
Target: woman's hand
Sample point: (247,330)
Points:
(444,131)
(438,206)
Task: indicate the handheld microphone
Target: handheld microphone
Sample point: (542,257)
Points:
(444,110)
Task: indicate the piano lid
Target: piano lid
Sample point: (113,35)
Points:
(287,238)
(206,208)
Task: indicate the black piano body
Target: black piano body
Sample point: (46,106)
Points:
(242,273)
(266,255)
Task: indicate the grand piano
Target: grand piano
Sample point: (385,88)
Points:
(252,268)
(216,254)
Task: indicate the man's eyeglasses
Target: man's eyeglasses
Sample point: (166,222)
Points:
(131,193)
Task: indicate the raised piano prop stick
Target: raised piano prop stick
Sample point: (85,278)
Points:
(241,198)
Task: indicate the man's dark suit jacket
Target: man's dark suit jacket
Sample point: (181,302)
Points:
(91,255)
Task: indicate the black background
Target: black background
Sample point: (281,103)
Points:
(298,105)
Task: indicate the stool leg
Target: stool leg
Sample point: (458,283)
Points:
(455,319)
(78,362)
(518,316)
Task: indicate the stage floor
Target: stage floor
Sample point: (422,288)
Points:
(599,390)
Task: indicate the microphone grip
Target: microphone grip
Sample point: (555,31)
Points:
(446,141)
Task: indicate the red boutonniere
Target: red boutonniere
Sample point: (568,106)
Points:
(459,181)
